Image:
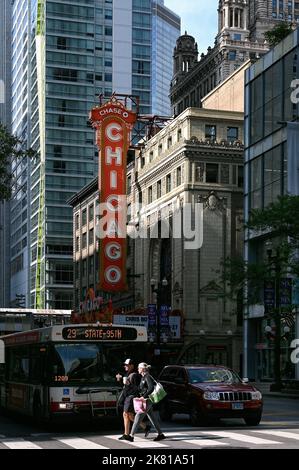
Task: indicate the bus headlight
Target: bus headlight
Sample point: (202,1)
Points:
(66,406)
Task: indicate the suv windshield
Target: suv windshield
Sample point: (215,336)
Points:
(213,376)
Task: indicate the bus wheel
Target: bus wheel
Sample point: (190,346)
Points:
(37,408)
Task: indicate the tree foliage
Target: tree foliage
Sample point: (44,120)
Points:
(280,222)
(280,217)
(278,33)
(10,148)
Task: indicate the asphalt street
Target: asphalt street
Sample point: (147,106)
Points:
(279,429)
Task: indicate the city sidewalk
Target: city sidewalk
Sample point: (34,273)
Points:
(264,387)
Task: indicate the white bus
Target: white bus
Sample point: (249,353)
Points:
(67,370)
(22,319)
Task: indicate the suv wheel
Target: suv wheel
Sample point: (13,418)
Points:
(195,415)
(253,420)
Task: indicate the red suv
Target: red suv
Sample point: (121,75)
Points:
(207,391)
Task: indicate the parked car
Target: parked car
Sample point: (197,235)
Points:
(209,391)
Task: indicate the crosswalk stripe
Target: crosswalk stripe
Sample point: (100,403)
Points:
(79,443)
(140,443)
(19,444)
(286,434)
(205,442)
(242,437)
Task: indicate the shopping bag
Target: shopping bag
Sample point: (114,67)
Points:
(139,405)
(158,394)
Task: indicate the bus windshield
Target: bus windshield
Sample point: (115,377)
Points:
(85,362)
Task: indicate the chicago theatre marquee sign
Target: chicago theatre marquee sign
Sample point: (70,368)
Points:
(113,124)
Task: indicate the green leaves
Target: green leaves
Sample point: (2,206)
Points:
(278,33)
(10,148)
(280,222)
(280,217)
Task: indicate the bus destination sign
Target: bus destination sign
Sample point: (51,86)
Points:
(103,333)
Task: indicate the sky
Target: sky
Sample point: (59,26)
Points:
(199,18)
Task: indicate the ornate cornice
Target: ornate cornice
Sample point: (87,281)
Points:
(212,201)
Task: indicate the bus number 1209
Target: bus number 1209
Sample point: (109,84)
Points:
(61,378)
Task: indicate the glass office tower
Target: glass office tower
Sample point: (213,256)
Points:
(5,57)
(166,27)
(64,55)
(268,109)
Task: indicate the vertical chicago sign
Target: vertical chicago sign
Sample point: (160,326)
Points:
(113,124)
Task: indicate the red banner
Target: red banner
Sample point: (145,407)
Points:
(113,124)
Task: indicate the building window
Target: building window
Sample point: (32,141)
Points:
(212,170)
(151,156)
(210,133)
(159,189)
(91,213)
(169,142)
(168,183)
(84,217)
(84,240)
(77,222)
(232,134)
(160,149)
(179,176)
(256,183)
(77,244)
(129,184)
(84,268)
(179,134)
(150,195)
(199,172)
(232,55)
(91,236)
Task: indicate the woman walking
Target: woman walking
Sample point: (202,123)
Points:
(146,387)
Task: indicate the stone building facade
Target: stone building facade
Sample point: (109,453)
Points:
(197,158)
(240,37)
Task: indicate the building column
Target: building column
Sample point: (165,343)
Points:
(226,16)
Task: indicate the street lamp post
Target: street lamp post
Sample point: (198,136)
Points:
(276,315)
(158,289)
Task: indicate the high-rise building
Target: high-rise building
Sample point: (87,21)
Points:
(64,55)
(269,106)
(165,31)
(5,69)
(241,28)
(264,14)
